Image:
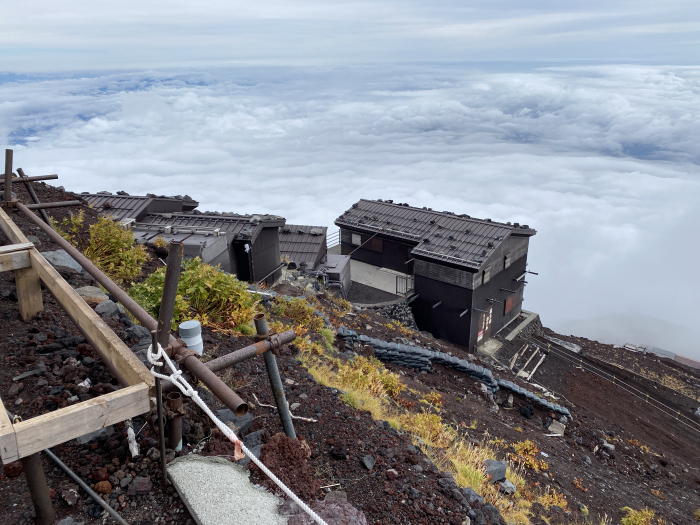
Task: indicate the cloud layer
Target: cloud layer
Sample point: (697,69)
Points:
(81,34)
(602,160)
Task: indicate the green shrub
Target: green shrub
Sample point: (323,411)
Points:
(300,311)
(637,517)
(112,248)
(204,293)
(368,374)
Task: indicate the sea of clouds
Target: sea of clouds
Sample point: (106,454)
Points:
(602,160)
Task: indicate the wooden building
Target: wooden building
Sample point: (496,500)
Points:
(245,245)
(468,274)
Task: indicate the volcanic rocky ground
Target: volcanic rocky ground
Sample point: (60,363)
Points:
(344,454)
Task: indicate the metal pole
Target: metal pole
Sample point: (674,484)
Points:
(7,198)
(36,178)
(102,503)
(161,422)
(275,380)
(33,194)
(38,489)
(174,401)
(62,204)
(167,304)
(250,351)
(228,397)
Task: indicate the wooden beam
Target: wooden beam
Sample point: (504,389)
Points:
(9,248)
(10,229)
(26,279)
(14,261)
(121,357)
(57,427)
(8,442)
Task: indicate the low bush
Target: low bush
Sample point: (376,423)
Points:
(637,517)
(111,248)
(369,374)
(298,310)
(204,293)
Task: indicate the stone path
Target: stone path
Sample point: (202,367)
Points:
(217,492)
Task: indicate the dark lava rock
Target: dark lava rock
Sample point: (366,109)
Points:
(12,470)
(368,462)
(527,411)
(472,496)
(140,486)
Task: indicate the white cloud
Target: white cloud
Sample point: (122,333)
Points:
(601,160)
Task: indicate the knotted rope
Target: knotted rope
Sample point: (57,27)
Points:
(175,377)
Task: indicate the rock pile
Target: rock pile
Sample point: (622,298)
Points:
(400,312)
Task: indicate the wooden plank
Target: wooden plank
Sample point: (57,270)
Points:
(57,427)
(10,229)
(109,344)
(14,261)
(9,248)
(8,442)
(26,279)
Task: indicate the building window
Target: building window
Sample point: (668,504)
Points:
(377,245)
(485,276)
(356,239)
(506,261)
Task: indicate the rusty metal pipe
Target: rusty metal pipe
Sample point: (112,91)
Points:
(161,418)
(38,489)
(174,401)
(7,197)
(132,306)
(273,374)
(35,178)
(32,194)
(227,396)
(44,205)
(176,251)
(249,351)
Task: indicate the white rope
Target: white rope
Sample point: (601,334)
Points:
(176,378)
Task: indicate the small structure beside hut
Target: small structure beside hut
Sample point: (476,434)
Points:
(245,245)
(464,277)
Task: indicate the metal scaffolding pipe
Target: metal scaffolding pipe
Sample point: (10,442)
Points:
(32,194)
(161,418)
(174,401)
(7,197)
(44,205)
(227,396)
(38,489)
(173,266)
(248,352)
(102,503)
(275,380)
(35,178)
(120,295)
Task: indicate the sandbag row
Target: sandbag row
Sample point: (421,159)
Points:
(508,385)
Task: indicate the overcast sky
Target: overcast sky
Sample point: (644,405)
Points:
(578,118)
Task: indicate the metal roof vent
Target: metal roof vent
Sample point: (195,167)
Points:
(355,206)
(516,224)
(451,237)
(302,232)
(453,247)
(438,235)
(483,253)
(467,231)
(375,217)
(390,201)
(488,220)
(415,220)
(490,244)
(426,240)
(432,222)
(526,226)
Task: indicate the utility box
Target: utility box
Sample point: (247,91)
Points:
(337,268)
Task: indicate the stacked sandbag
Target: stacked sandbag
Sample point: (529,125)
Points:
(508,385)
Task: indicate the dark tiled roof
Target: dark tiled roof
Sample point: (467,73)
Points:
(443,236)
(302,243)
(235,226)
(135,206)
